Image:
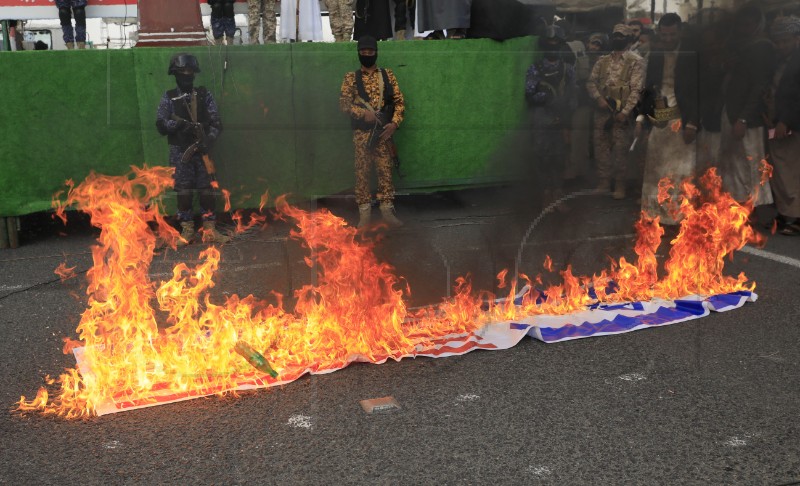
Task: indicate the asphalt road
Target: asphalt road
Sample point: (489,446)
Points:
(711,401)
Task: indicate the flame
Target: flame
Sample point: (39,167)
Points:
(766,169)
(138,336)
(65,272)
(676,126)
(548,263)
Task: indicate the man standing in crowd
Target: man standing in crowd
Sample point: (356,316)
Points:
(188,116)
(222,20)
(440,15)
(615,85)
(739,146)
(256,10)
(374,102)
(669,105)
(340,13)
(404,17)
(66,10)
(551,92)
(373,19)
(784,139)
(301,20)
(636,30)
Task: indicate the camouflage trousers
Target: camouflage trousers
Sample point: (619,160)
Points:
(67,9)
(192,177)
(340,13)
(381,158)
(223,26)
(256,11)
(611,147)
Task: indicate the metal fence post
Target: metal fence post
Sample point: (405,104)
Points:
(13,234)
(3,233)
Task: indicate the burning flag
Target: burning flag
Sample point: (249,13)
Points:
(356,311)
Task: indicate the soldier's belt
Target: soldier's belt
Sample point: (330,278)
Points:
(662,116)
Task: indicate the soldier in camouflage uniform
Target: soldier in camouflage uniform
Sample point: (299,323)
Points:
(222,19)
(66,10)
(181,113)
(615,85)
(340,13)
(374,102)
(255,10)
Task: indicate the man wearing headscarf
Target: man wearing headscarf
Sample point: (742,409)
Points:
(784,115)
(372,99)
(615,85)
(669,108)
(739,146)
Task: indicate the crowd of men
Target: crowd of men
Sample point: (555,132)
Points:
(671,103)
(301,20)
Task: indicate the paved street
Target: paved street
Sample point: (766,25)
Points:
(710,401)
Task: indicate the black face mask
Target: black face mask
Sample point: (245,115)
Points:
(619,44)
(185,82)
(368,61)
(551,52)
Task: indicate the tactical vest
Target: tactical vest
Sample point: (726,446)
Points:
(387,105)
(555,81)
(619,93)
(179,108)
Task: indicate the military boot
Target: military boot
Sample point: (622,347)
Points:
(387,211)
(400,35)
(619,189)
(603,187)
(80,45)
(364,215)
(70,45)
(211,235)
(187,233)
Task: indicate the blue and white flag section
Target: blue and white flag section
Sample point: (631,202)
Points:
(605,319)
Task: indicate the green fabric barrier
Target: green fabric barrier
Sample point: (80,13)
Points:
(65,113)
(283,131)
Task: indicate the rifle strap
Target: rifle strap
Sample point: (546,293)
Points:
(383,84)
(193,107)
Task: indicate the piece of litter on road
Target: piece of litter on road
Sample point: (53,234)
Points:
(468,397)
(375,405)
(300,421)
(735,442)
(111,444)
(539,470)
(632,377)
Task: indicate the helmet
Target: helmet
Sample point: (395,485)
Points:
(181,61)
(552,37)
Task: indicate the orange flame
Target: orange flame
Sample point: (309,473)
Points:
(64,272)
(355,309)
(676,126)
(766,169)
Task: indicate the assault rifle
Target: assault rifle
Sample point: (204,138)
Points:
(200,143)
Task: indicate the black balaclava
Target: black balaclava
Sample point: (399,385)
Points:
(367,42)
(185,81)
(368,61)
(619,43)
(552,51)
